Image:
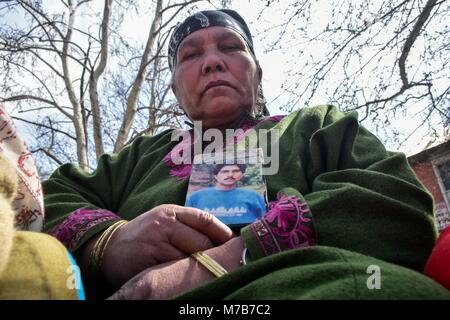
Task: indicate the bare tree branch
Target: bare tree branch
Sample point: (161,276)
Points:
(30,97)
(48,153)
(93,81)
(130,110)
(46,89)
(412,38)
(39,124)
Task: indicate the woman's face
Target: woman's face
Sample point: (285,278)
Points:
(215,77)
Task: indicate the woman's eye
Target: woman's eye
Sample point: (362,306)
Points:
(190,55)
(231,47)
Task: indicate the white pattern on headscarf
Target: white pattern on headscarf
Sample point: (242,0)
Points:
(204,21)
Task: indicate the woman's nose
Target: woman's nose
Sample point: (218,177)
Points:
(213,62)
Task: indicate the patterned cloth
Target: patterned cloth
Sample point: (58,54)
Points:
(28,203)
(233,206)
(78,223)
(287,225)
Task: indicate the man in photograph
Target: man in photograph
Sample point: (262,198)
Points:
(232,205)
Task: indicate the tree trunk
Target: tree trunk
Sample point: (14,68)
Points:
(130,111)
(93,82)
(77,117)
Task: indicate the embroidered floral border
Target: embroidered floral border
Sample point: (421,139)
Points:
(287,225)
(72,229)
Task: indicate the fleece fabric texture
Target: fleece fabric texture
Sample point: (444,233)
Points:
(362,198)
(320,272)
(38,268)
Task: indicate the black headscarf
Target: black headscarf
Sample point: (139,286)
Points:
(204,19)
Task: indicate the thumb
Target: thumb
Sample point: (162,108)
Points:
(205,223)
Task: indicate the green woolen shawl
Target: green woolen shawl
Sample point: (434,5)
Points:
(363,199)
(320,272)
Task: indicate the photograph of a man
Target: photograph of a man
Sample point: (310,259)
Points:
(228,202)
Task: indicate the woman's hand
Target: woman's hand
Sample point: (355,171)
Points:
(163,234)
(174,278)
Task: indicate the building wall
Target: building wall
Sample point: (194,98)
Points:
(425,173)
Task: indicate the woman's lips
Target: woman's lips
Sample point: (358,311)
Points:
(217,83)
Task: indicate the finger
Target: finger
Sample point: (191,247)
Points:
(169,252)
(203,222)
(188,239)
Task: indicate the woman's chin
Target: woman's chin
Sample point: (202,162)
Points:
(221,120)
(219,117)
(219,123)
(219,114)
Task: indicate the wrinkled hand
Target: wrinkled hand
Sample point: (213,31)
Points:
(163,234)
(173,278)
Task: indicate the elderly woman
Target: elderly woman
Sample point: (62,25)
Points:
(346,218)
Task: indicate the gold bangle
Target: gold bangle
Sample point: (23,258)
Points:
(210,264)
(98,250)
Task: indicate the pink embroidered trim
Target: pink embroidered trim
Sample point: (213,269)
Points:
(275,118)
(285,226)
(181,150)
(72,229)
(264,237)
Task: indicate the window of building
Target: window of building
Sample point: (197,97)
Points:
(442,170)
